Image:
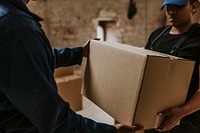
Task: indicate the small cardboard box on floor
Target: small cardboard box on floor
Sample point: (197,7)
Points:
(69,88)
(133,84)
(63,71)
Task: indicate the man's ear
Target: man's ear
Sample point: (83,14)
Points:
(195,5)
(193,9)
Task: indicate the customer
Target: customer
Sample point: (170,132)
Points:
(29,102)
(181,39)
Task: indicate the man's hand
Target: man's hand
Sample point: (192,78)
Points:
(173,116)
(86,47)
(121,128)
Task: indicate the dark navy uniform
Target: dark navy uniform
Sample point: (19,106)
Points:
(29,102)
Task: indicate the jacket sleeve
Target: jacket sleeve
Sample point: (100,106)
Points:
(67,56)
(27,81)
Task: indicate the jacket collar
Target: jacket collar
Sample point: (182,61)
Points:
(21,6)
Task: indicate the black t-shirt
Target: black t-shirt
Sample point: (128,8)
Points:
(168,41)
(190,50)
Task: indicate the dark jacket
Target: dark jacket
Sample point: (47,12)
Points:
(29,102)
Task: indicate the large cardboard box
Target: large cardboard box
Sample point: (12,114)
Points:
(69,88)
(133,84)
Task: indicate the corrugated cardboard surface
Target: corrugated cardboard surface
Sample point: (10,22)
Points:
(69,88)
(165,84)
(132,84)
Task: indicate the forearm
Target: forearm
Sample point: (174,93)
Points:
(69,122)
(192,105)
(67,56)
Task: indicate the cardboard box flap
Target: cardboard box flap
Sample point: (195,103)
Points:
(138,50)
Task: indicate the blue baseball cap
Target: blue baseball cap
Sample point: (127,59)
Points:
(174,2)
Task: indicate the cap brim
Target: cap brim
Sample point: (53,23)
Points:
(173,2)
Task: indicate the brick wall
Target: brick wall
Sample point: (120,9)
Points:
(70,23)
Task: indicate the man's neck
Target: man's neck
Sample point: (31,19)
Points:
(180,29)
(25,1)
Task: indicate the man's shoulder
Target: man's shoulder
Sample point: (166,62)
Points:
(160,29)
(196,26)
(3,9)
